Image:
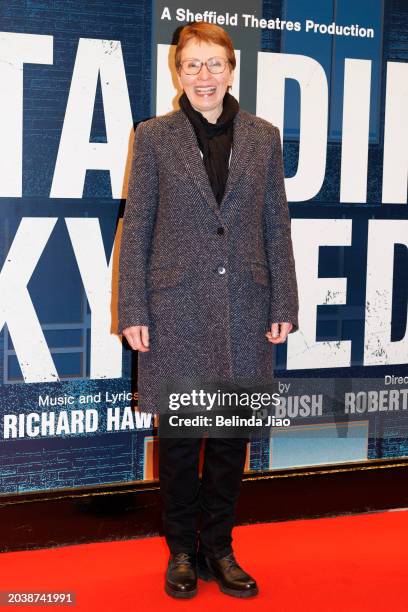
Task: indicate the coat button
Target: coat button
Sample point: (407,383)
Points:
(220,230)
(221,270)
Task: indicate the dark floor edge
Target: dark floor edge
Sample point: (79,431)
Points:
(127,512)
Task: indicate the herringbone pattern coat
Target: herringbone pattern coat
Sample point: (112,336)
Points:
(208,280)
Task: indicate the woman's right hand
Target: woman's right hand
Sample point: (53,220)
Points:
(138,337)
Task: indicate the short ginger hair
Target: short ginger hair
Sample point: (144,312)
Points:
(203,31)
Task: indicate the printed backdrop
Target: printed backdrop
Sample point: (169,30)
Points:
(75,78)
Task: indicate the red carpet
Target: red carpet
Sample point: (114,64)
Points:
(354,564)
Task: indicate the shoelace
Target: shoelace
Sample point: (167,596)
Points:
(231,560)
(181,558)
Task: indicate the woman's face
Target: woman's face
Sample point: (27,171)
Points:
(205,90)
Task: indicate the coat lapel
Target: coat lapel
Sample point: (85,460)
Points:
(184,144)
(243,145)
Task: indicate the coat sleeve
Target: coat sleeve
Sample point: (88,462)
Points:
(138,223)
(284,304)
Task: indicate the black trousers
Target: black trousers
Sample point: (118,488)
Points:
(207,508)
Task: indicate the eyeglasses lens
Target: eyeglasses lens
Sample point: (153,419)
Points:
(215,65)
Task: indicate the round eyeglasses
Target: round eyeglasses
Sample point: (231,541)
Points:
(215,65)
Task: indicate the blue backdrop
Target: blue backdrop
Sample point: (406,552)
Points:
(56,286)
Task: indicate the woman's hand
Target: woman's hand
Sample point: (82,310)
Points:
(138,337)
(277,336)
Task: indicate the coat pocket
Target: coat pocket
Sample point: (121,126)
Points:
(163,278)
(260,273)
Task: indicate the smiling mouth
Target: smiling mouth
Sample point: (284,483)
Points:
(204,91)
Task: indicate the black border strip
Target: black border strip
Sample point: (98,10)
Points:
(133,510)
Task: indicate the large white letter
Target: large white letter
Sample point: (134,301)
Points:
(395,168)
(76,154)
(106,348)
(355,132)
(15,51)
(303,350)
(273,70)
(383,234)
(16,307)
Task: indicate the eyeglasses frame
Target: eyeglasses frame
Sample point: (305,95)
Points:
(225,59)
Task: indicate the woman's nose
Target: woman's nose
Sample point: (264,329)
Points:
(204,72)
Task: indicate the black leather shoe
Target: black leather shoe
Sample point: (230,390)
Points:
(181,576)
(231,578)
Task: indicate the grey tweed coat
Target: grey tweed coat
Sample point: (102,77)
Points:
(208,280)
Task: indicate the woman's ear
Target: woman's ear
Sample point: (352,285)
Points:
(178,78)
(231,78)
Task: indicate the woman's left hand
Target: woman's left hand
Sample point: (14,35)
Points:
(276,335)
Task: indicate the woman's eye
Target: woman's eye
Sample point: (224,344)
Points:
(214,62)
(193,64)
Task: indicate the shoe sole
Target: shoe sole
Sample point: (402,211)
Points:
(204,574)
(180,594)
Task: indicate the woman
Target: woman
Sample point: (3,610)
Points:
(207,287)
